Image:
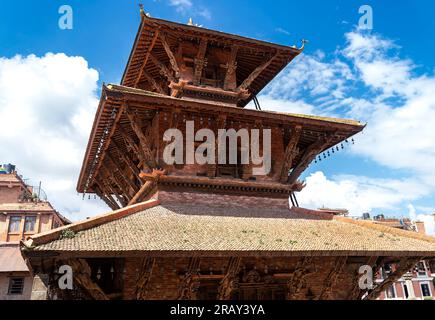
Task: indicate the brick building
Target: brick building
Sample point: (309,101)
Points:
(22,215)
(210,230)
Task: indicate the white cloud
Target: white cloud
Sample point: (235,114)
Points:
(181,5)
(186,7)
(47,105)
(368,80)
(358,194)
(428,219)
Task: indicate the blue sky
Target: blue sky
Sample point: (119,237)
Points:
(382,76)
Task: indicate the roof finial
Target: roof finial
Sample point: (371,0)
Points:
(303,44)
(143,15)
(190,22)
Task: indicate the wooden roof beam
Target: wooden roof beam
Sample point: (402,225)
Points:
(290,152)
(170,54)
(164,71)
(309,155)
(404,266)
(143,141)
(257,71)
(153,83)
(144,63)
(126,159)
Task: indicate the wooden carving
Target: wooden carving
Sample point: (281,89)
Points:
(230,78)
(147,267)
(257,71)
(229,283)
(170,54)
(297,279)
(163,70)
(82,277)
(332,278)
(144,63)
(190,282)
(200,61)
(290,152)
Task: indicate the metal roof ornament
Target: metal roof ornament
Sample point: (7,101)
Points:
(304,41)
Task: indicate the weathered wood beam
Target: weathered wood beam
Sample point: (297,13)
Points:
(356,293)
(82,276)
(290,152)
(190,283)
(297,278)
(403,266)
(332,277)
(154,83)
(143,140)
(114,168)
(164,71)
(106,195)
(126,159)
(200,61)
(170,54)
(257,71)
(111,179)
(309,155)
(147,267)
(230,79)
(109,172)
(229,283)
(151,180)
(142,68)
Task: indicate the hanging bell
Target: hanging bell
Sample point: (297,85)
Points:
(342,146)
(353,141)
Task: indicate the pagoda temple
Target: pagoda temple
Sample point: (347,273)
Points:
(209,230)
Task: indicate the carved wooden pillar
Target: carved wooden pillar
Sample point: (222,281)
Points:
(297,279)
(332,278)
(190,282)
(290,152)
(147,267)
(230,281)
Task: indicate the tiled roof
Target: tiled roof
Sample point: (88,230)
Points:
(26,206)
(183,228)
(11,259)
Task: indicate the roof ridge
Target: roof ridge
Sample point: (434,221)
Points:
(51,235)
(387,229)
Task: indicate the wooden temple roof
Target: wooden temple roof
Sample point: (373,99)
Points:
(179,229)
(150,46)
(145,105)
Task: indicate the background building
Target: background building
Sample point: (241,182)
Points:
(22,214)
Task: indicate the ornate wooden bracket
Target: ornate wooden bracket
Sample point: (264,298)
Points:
(113,167)
(126,159)
(290,152)
(404,266)
(153,83)
(147,267)
(82,276)
(170,54)
(100,190)
(356,293)
(190,282)
(229,283)
(297,279)
(332,278)
(164,71)
(257,71)
(310,153)
(230,80)
(143,140)
(200,61)
(142,68)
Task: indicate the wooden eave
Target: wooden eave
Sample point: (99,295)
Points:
(146,104)
(251,52)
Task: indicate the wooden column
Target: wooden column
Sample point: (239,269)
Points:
(229,283)
(190,283)
(147,267)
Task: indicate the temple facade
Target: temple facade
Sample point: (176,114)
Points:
(190,229)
